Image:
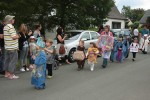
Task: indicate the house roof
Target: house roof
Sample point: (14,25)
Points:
(144,18)
(115,14)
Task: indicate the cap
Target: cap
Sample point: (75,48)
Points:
(145,35)
(32,37)
(8,18)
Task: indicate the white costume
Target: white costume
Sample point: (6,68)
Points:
(144,44)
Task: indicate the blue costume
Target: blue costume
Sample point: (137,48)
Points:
(112,56)
(39,72)
(127,46)
(119,54)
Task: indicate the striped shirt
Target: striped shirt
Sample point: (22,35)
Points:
(10,43)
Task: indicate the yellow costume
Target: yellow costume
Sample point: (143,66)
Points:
(92,54)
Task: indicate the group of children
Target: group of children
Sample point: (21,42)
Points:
(120,51)
(41,58)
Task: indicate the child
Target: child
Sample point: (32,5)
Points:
(112,56)
(82,62)
(119,50)
(92,55)
(32,46)
(127,46)
(39,72)
(134,47)
(50,57)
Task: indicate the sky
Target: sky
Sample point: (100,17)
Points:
(145,4)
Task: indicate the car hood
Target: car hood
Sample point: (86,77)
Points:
(66,42)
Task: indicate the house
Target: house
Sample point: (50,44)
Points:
(115,19)
(144,18)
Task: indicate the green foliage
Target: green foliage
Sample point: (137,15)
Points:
(70,14)
(133,14)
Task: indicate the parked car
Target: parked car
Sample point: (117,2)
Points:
(73,38)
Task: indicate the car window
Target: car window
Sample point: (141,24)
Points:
(94,35)
(86,35)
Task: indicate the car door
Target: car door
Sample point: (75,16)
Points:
(94,36)
(86,38)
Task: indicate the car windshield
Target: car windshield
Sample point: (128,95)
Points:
(72,35)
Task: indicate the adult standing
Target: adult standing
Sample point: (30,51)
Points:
(60,44)
(24,46)
(106,53)
(2,47)
(136,32)
(145,30)
(11,47)
(37,32)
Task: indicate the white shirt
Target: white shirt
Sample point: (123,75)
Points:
(134,47)
(136,32)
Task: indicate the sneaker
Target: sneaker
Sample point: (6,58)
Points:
(13,77)
(92,68)
(27,69)
(49,77)
(22,70)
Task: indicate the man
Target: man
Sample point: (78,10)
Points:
(11,47)
(2,48)
(145,30)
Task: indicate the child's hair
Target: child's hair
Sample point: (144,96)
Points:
(94,45)
(81,41)
(49,40)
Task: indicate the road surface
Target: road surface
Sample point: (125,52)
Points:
(120,81)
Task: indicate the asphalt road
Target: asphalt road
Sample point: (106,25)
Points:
(120,81)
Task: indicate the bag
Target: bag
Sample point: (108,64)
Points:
(79,55)
(62,49)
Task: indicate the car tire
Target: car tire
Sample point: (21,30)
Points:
(70,56)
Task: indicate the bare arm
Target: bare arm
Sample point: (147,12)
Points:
(49,51)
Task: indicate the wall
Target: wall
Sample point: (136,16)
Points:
(109,22)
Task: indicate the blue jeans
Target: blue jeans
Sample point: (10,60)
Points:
(23,56)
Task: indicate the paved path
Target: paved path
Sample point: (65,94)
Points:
(125,81)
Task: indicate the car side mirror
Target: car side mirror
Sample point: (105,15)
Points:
(84,39)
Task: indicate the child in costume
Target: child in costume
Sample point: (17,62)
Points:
(32,46)
(134,48)
(127,46)
(81,63)
(119,50)
(39,72)
(92,55)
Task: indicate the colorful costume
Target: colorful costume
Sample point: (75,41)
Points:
(127,46)
(106,41)
(119,51)
(39,72)
(92,54)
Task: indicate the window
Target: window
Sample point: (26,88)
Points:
(86,35)
(116,25)
(94,35)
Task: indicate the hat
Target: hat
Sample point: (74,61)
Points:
(32,37)
(40,43)
(8,18)
(145,35)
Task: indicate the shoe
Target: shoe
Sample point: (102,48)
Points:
(92,68)
(133,59)
(22,70)
(103,66)
(49,77)
(13,77)
(27,69)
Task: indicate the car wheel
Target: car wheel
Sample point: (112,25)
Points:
(70,57)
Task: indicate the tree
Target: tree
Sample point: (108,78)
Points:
(133,14)
(78,14)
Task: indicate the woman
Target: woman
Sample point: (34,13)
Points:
(24,46)
(37,32)
(60,43)
(107,51)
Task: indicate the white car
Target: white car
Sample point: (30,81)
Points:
(73,38)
